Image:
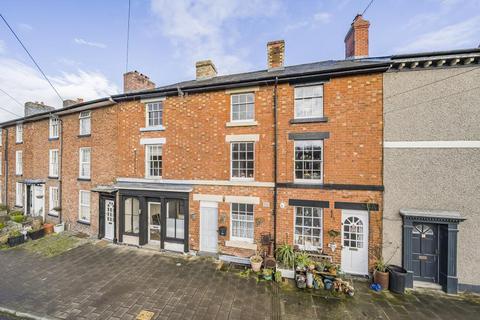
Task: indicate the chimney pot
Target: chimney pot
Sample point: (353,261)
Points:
(275,55)
(205,69)
(136,81)
(356,40)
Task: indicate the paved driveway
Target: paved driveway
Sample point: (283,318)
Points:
(114,282)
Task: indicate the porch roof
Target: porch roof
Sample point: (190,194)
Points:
(441,215)
(153,186)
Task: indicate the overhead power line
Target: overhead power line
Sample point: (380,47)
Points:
(31,57)
(368,6)
(128,36)
(15,114)
(8,95)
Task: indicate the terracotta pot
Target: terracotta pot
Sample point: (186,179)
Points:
(48,227)
(381,278)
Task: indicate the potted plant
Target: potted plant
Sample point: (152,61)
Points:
(36,234)
(60,227)
(286,260)
(267,274)
(15,237)
(18,218)
(380,273)
(256,262)
(333,234)
(302,260)
(301,281)
(48,228)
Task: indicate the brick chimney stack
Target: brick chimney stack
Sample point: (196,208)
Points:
(136,81)
(356,40)
(205,69)
(275,55)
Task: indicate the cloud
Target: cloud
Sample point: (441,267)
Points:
(322,17)
(25,26)
(207,29)
(2,47)
(83,42)
(24,83)
(459,35)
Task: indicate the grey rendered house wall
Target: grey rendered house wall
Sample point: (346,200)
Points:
(434,178)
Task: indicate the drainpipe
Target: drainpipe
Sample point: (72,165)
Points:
(60,161)
(275,166)
(5,155)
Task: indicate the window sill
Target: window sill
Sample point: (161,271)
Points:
(55,215)
(16,142)
(86,223)
(84,179)
(314,182)
(84,135)
(19,175)
(53,138)
(242,179)
(241,244)
(241,123)
(309,120)
(53,178)
(148,129)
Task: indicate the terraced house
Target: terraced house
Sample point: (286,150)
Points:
(216,164)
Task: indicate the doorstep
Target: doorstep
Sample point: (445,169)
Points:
(426,285)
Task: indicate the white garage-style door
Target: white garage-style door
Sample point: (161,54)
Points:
(355,242)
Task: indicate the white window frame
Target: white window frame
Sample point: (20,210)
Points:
(83,205)
(53,165)
(147,114)
(1,137)
(242,239)
(81,163)
(85,117)
(54,128)
(19,194)
(19,133)
(147,161)
(52,202)
(320,113)
(302,246)
(298,180)
(231,162)
(19,162)
(246,94)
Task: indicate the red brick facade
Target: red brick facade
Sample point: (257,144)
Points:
(196,149)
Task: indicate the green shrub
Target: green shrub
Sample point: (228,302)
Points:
(2,225)
(14,233)
(3,207)
(17,218)
(16,213)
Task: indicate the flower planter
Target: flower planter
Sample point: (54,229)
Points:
(381,278)
(34,235)
(15,241)
(286,273)
(256,262)
(59,228)
(48,227)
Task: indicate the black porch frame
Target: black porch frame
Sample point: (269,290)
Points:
(448,233)
(144,197)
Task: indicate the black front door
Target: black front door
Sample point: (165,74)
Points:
(425,252)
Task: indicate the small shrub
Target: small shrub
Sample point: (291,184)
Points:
(14,233)
(16,213)
(3,207)
(17,218)
(2,225)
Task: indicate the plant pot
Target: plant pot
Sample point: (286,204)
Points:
(301,282)
(48,227)
(15,241)
(268,277)
(59,228)
(309,279)
(256,265)
(381,278)
(34,235)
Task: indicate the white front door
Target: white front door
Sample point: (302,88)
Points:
(154,223)
(355,241)
(208,226)
(37,201)
(109,219)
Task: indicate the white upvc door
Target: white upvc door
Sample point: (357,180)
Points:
(37,201)
(208,226)
(109,219)
(355,242)
(154,223)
